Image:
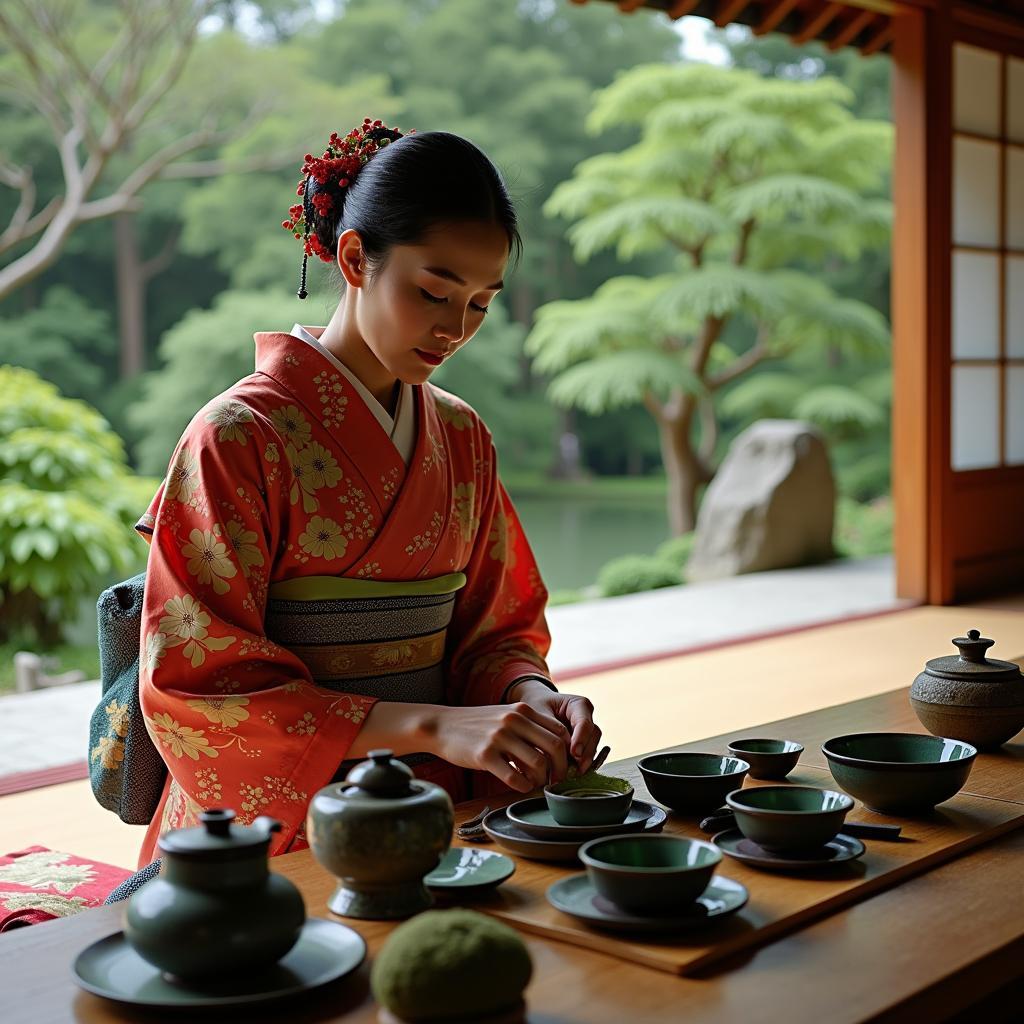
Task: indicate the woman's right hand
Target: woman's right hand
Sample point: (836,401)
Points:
(488,738)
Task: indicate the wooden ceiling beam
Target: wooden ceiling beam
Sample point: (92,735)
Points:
(816,22)
(629,6)
(681,9)
(774,16)
(851,30)
(728,11)
(878,40)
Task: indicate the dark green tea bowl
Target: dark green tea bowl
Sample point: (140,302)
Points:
(897,772)
(590,799)
(768,759)
(692,782)
(784,818)
(651,873)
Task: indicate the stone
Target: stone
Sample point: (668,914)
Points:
(770,506)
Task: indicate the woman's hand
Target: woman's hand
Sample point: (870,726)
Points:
(488,738)
(576,712)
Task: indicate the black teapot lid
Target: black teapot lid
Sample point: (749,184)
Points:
(217,839)
(971,663)
(381,776)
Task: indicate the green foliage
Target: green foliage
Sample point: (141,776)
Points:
(65,340)
(202,355)
(863,530)
(67,505)
(677,550)
(632,574)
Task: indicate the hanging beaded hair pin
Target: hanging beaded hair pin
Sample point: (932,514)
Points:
(325,183)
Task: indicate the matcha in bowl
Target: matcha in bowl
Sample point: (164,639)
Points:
(590,799)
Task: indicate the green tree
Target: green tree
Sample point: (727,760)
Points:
(67,505)
(736,181)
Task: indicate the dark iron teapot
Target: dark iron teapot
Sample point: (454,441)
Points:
(215,907)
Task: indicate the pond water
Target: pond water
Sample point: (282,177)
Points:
(572,537)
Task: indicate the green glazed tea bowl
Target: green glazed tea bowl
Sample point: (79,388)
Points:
(768,759)
(651,873)
(692,782)
(899,773)
(590,799)
(783,818)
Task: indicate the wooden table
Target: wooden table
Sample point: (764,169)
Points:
(946,945)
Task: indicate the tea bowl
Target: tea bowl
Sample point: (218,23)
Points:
(650,873)
(590,799)
(768,759)
(898,773)
(692,782)
(783,818)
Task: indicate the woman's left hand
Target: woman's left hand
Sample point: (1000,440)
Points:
(575,711)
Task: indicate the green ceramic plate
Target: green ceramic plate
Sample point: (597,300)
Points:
(467,869)
(836,851)
(512,838)
(325,951)
(577,897)
(534,818)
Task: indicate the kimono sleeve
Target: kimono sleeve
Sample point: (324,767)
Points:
(237,718)
(499,631)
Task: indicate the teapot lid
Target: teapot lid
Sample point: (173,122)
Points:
(217,839)
(381,776)
(971,663)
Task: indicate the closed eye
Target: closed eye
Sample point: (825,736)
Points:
(436,298)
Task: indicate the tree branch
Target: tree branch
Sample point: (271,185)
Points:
(739,366)
(158,263)
(708,434)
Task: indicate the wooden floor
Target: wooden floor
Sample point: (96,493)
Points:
(640,708)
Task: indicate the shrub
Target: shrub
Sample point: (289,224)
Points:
(632,574)
(863,530)
(67,506)
(676,550)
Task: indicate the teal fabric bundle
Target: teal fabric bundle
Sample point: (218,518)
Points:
(125,769)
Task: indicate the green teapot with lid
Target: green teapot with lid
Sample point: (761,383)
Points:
(215,907)
(380,832)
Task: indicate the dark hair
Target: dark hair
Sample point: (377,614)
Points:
(408,187)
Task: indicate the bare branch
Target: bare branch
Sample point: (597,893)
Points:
(159,262)
(21,179)
(215,168)
(739,257)
(708,433)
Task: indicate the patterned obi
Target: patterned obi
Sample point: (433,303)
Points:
(383,640)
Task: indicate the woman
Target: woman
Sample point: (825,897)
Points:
(336,459)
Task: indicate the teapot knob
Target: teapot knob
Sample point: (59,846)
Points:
(973,646)
(267,825)
(218,822)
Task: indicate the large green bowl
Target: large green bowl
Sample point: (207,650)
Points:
(650,873)
(897,772)
(692,782)
(784,818)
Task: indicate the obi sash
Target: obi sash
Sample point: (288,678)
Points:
(379,639)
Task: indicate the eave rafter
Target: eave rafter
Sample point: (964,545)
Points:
(817,22)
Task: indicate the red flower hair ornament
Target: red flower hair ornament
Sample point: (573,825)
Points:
(325,181)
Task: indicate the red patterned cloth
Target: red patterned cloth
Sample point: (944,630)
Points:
(38,884)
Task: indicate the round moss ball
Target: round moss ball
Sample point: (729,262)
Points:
(450,963)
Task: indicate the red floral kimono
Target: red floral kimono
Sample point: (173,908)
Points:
(289,474)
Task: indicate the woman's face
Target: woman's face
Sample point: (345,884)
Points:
(428,300)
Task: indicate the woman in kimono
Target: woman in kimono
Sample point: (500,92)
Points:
(336,464)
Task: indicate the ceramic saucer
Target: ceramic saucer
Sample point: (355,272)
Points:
(533,817)
(836,851)
(510,836)
(577,897)
(325,951)
(467,870)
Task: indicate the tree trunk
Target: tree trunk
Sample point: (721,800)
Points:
(131,296)
(683,467)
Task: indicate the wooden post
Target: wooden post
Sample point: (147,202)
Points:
(922,196)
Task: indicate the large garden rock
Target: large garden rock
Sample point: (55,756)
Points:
(770,506)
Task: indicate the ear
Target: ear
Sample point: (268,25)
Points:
(351,260)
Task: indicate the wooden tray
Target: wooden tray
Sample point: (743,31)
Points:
(778,903)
